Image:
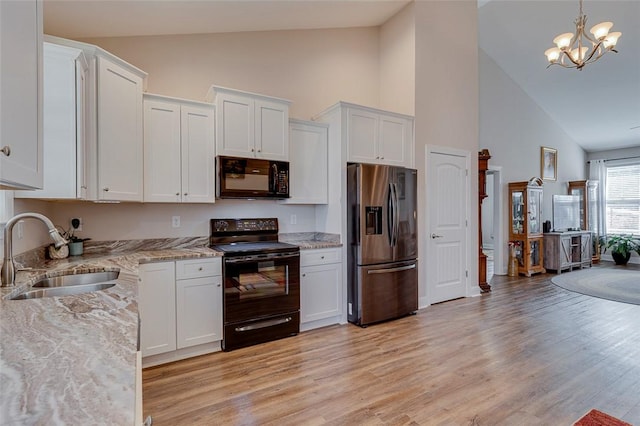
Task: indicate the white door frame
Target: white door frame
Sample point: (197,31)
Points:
(471,287)
(499,264)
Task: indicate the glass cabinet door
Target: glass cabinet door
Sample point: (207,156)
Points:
(534,214)
(534,253)
(580,193)
(517,213)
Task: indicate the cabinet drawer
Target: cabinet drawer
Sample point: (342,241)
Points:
(196,268)
(320,256)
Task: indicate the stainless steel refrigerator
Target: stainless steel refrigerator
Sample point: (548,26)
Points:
(383,244)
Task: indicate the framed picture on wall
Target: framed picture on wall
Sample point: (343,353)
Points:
(548,163)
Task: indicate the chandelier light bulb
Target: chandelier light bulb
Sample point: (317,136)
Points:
(601,30)
(553,54)
(563,41)
(578,54)
(611,40)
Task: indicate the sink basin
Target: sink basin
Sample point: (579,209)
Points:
(78,279)
(62,291)
(65,285)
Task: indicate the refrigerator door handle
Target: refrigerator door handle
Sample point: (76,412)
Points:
(390,215)
(390,270)
(396,214)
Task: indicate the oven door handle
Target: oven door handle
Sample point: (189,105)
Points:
(261,257)
(264,324)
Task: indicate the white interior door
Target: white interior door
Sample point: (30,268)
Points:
(447,186)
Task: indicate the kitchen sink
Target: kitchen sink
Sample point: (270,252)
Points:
(34,293)
(65,285)
(77,279)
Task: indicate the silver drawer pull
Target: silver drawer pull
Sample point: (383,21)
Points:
(264,324)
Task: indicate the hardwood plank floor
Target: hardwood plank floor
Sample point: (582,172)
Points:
(527,353)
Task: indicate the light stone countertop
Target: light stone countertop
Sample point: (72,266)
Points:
(72,359)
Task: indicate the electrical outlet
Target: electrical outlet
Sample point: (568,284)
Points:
(294,219)
(78,222)
(175,222)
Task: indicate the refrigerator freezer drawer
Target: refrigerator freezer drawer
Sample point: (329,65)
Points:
(385,292)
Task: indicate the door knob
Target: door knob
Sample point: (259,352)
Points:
(434,236)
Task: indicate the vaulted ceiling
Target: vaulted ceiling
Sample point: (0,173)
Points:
(599,107)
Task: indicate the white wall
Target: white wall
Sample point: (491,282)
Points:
(447,103)
(513,127)
(312,68)
(398,62)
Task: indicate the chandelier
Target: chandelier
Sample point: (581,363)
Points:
(576,51)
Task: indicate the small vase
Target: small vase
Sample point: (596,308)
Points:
(76,249)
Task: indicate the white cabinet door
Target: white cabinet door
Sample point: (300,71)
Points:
(309,163)
(235,125)
(198,311)
(393,147)
(63,108)
(271,130)
(198,156)
(120,128)
(320,292)
(21,155)
(363,128)
(162,169)
(157,306)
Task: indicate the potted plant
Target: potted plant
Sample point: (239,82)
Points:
(621,247)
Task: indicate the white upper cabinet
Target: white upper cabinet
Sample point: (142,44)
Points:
(178,150)
(21,149)
(250,125)
(113,125)
(309,162)
(119,132)
(379,137)
(64,102)
(372,135)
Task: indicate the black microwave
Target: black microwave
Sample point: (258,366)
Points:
(252,178)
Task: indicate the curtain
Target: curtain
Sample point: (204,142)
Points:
(598,171)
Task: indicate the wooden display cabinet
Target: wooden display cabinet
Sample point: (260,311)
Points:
(587,190)
(525,225)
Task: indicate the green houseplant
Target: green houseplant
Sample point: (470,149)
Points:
(621,247)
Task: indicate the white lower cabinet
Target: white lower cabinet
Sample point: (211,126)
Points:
(180,307)
(320,288)
(156,303)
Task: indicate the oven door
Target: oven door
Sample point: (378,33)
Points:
(261,286)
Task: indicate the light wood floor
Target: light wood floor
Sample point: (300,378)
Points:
(527,353)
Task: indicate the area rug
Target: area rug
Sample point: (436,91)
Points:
(621,285)
(598,418)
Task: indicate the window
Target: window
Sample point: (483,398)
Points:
(623,198)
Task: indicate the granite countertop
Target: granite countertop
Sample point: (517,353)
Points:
(311,240)
(72,359)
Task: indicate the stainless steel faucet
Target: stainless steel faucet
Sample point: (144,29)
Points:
(8,272)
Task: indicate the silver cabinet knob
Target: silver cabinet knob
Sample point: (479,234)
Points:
(105,189)
(177,193)
(185,194)
(252,150)
(436,236)
(6,150)
(200,268)
(321,257)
